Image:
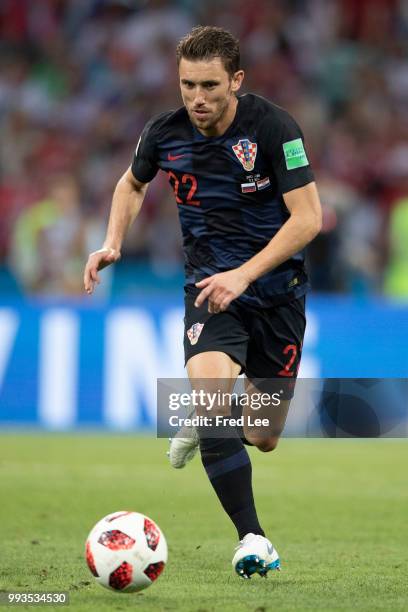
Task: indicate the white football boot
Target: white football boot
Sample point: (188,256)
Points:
(183,447)
(255,555)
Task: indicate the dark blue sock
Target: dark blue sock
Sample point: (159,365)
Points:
(228,467)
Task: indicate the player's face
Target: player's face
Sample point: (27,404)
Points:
(208,94)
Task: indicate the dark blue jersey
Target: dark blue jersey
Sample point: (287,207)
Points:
(229,190)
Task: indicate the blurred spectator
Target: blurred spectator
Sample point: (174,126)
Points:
(396,274)
(78,81)
(48,245)
(360,252)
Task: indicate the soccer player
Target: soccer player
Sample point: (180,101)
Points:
(248,205)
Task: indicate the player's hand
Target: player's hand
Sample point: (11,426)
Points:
(97,261)
(220,289)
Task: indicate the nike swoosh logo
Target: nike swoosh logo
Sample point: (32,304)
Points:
(171,157)
(270,549)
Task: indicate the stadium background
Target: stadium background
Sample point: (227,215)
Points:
(78,80)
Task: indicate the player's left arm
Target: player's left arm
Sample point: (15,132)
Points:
(302,226)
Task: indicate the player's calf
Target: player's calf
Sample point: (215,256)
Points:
(265,438)
(266,445)
(263,427)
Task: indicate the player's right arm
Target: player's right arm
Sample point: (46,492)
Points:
(126,203)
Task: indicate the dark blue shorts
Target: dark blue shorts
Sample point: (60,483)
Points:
(266,342)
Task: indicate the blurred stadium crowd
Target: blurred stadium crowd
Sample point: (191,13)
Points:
(79,79)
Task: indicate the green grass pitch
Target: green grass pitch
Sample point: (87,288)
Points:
(336,511)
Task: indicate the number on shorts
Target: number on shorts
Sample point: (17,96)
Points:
(287,370)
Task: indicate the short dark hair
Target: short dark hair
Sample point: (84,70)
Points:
(207,42)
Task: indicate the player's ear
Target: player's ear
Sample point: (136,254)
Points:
(237,79)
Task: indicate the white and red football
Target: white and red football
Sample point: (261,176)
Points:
(126,551)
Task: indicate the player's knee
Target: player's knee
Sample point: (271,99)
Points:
(266,445)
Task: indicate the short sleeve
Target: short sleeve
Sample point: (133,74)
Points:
(144,165)
(283,143)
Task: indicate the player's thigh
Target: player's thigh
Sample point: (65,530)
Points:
(213,374)
(213,364)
